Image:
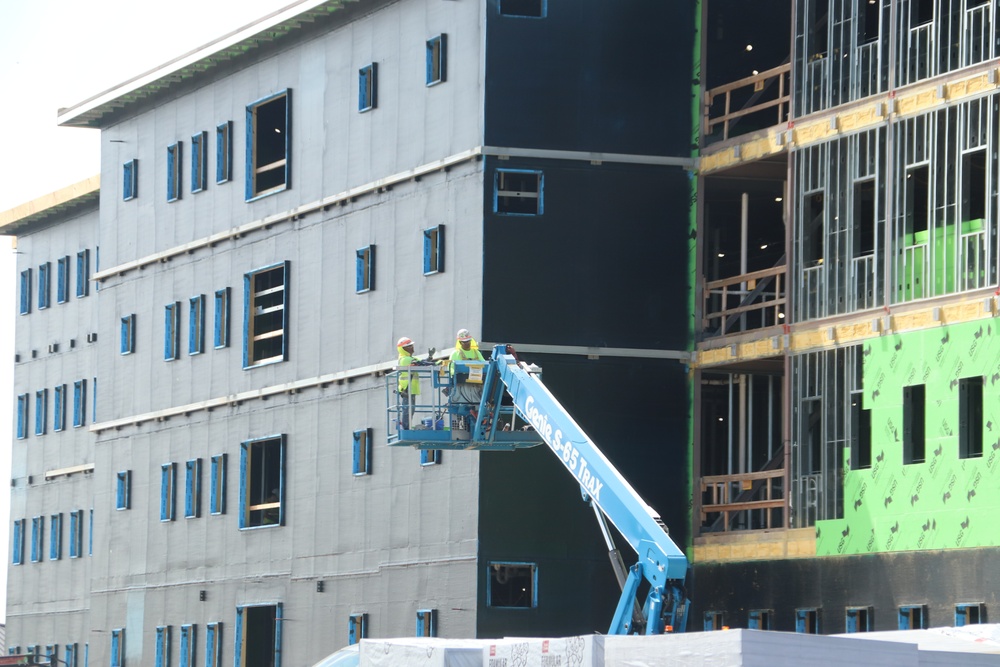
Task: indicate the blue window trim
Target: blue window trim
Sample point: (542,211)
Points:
(93,403)
(69,655)
(240,625)
(118,647)
(37,537)
(199,162)
(426,623)
(44,271)
(853,617)
(543,11)
(244,522)
(222,300)
(430,457)
(163,646)
(433,250)
(90,534)
(801,616)
(25,292)
(22,416)
(168,491)
(171,331)
(55,536)
(130,180)
(759,619)
(252,193)
(123,490)
(196,325)
(76,533)
(127,336)
(969,613)
(364,269)
(905,613)
(224,151)
(174,160)
(248,312)
(357,628)
(59,408)
(217,494)
(62,279)
(539,200)
(41,410)
(79,403)
(213,645)
(362,452)
(83,273)
(368,87)
(192,489)
(188,637)
(17,543)
(534,583)
(437,60)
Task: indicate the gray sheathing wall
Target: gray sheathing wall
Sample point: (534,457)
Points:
(47,601)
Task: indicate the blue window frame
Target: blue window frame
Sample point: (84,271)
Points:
(536,9)
(357,628)
(362,452)
(17,555)
(127,335)
(249,617)
(430,457)
(118,647)
(434,250)
(59,408)
(912,617)
(55,536)
(437,60)
(79,403)
(759,619)
(76,533)
(43,285)
(858,619)
(82,273)
(90,535)
(213,645)
(123,490)
(174,158)
(224,151)
(171,330)
(196,325)
(187,645)
(51,651)
(168,491)
(25,292)
(163,646)
(368,87)
(221,337)
(427,622)
(518,192)
(807,621)
(192,489)
(262,482)
(268,154)
(41,410)
(265,294)
(93,403)
(62,279)
(199,163)
(364,269)
(69,655)
(130,180)
(217,493)
(37,536)
(22,416)
(970,613)
(511,585)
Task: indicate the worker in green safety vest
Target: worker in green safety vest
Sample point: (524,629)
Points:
(409,382)
(466,349)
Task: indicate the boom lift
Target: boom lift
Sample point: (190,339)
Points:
(531,418)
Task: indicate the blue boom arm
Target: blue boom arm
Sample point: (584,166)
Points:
(661,563)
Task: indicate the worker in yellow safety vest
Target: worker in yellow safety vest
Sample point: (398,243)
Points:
(409,382)
(466,349)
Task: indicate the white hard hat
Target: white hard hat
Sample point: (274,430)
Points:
(463,335)
(404,342)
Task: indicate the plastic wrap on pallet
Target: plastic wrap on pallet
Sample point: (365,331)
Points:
(584,651)
(422,652)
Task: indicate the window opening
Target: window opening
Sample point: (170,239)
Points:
(264,308)
(912,617)
(512,585)
(434,250)
(759,619)
(917,203)
(357,628)
(427,623)
(199,163)
(196,325)
(37,528)
(171,330)
(807,621)
(523,8)
(163,646)
(870,27)
(79,403)
(430,457)
(914,404)
(192,489)
(43,285)
(437,60)
(168,491)
(713,620)
(41,410)
(861,433)
(25,292)
(518,192)
(62,279)
(224,152)
(221,336)
(217,498)
(213,645)
(22,416)
(973,189)
(118,647)
(813,231)
(130,180)
(187,645)
(364,269)
(59,408)
(923,11)
(258,636)
(82,273)
(864,218)
(858,619)
(123,490)
(362,452)
(17,558)
(970,613)
(970,417)
(76,533)
(127,335)
(174,172)
(367,87)
(262,482)
(268,146)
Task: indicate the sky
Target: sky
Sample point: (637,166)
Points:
(57,53)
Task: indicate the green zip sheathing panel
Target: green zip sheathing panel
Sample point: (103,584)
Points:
(945,501)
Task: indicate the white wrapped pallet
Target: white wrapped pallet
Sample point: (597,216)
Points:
(422,652)
(584,651)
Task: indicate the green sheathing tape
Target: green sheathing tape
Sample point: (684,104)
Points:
(946,501)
